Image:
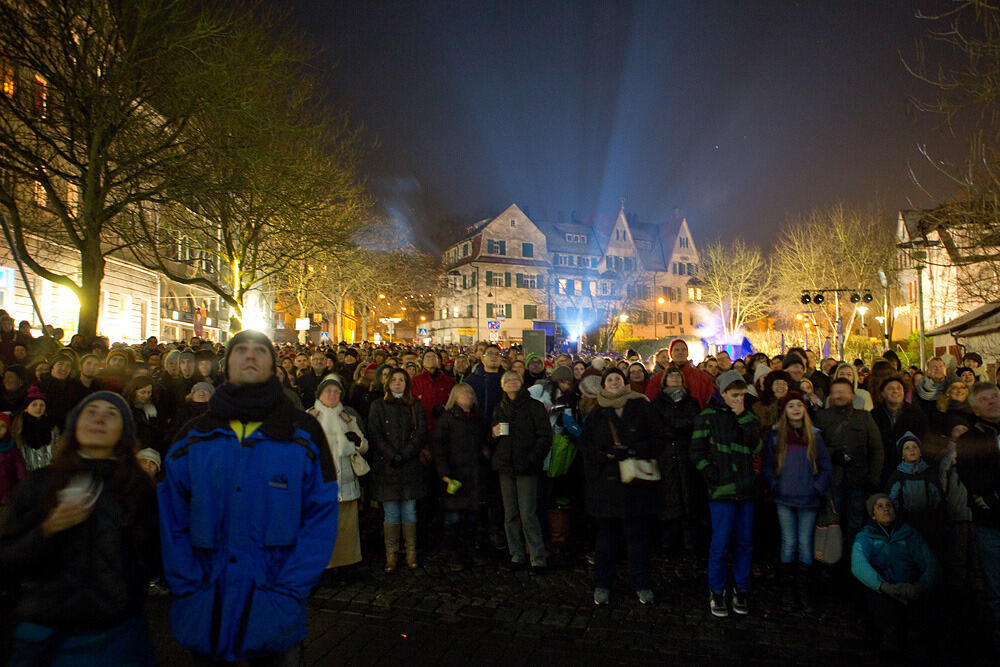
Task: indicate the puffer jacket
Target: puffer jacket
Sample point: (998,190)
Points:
(855,447)
(639,429)
(432,390)
(722,448)
(248,523)
(896,556)
(797,485)
(90,577)
(459,453)
(915,488)
(397,432)
(523,451)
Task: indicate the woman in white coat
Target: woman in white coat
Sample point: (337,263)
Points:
(345,437)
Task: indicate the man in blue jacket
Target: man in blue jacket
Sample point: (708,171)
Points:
(248,516)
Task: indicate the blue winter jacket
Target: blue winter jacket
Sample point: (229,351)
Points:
(897,557)
(247,529)
(797,486)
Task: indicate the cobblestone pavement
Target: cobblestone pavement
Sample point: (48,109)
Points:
(487,615)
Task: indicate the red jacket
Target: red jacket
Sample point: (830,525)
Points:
(432,391)
(699,384)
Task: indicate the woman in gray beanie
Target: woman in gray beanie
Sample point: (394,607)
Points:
(82,535)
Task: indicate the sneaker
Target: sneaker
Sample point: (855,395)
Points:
(645,596)
(717,605)
(741,605)
(601,596)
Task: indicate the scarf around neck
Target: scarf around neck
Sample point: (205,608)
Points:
(247,403)
(675,393)
(928,390)
(606,399)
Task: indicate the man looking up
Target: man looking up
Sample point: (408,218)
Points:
(699,384)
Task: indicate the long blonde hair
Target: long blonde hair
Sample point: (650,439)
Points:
(782,449)
(456,390)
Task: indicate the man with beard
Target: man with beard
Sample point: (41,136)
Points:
(534,370)
(699,384)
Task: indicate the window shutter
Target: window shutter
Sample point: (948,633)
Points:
(489,310)
(489,278)
(540,281)
(468,310)
(503,247)
(472,278)
(520,279)
(506,279)
(489,246)
(506,310)
(464,281)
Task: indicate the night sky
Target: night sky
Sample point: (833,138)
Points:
(739,113)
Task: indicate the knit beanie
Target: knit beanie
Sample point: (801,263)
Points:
(128,425)
(203,386)
(562,374)
(791,360)
(725,380)
(34,394)
(590,386)
(670,348)
(171,356)
(150,454)
(870,503)
(243,337)
(790,396)
(331,379)
(905,438)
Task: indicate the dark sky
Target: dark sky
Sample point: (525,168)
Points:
(739,113)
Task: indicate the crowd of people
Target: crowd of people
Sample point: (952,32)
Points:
(236,477)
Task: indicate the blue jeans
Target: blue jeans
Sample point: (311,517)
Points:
(988,542)
(732,523)
(520,517)
(797,526)
(399,511)
(636,534)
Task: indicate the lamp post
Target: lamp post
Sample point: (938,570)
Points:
(656,316)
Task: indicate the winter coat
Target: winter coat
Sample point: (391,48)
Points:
(149,431)
(638,429)
(87,578)
(722,448)
(12,469)
(797,485)
(397,432)
(432,390)
(679,487)
(892,427)
(855,447)
(699,384)
(525,448)
(979,470)
(307,384)
(335,428)
(247,525)
(459,453)
(915,488)
(899,556)
(487,388)
(62,395)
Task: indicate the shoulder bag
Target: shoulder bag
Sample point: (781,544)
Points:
(635,471)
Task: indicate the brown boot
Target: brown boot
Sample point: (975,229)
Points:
(391,546)
(410,540)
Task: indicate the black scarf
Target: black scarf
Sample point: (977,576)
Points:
(36,433)
(247,403)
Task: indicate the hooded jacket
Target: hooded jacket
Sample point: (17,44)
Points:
(722,448)
(248,515)
(894,556)
(699,384)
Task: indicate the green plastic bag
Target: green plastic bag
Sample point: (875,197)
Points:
(562,455)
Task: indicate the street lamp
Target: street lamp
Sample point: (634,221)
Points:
(656,316)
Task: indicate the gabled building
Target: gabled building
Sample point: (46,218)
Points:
(583,276)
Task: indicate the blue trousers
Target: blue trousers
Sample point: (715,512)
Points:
(797,527)
(399,511)
(732,525)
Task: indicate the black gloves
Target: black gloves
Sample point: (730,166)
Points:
(619,453)
(354,438)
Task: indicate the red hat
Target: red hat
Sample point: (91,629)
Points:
(670,348)
(371,367)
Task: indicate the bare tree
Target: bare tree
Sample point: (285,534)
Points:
(736,281)
(92,121)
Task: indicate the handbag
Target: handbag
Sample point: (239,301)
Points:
(828,538)
(359,465)
(635,471)
(561,455)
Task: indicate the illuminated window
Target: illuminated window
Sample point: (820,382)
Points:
(7,79)
(41,96)
(6,288)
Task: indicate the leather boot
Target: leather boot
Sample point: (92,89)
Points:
(410,540)
(391,531)
(787,586)
(803,587)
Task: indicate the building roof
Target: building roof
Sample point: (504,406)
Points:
(984,319)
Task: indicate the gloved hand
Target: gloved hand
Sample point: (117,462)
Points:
(618,453)
(898,592)
(397,461)
(354,438)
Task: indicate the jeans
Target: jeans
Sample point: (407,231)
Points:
(988,542)
(850,504)
(636,530)
(732,522)
(797,526)
(399,511)
(520,504)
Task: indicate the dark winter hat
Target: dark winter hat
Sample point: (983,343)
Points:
(186,353)
(351,352)
(872,499)
(204,355)
(962,369)
(562,374)
(64,357)
(34,394)
(790,396)
(18,370)
(791,360)
(243,337)
(128,425)
(973,356)
(203,386)
(905,438)
(327,380)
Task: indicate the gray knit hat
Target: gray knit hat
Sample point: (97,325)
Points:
(128,425)
(327,380)
(872,499)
